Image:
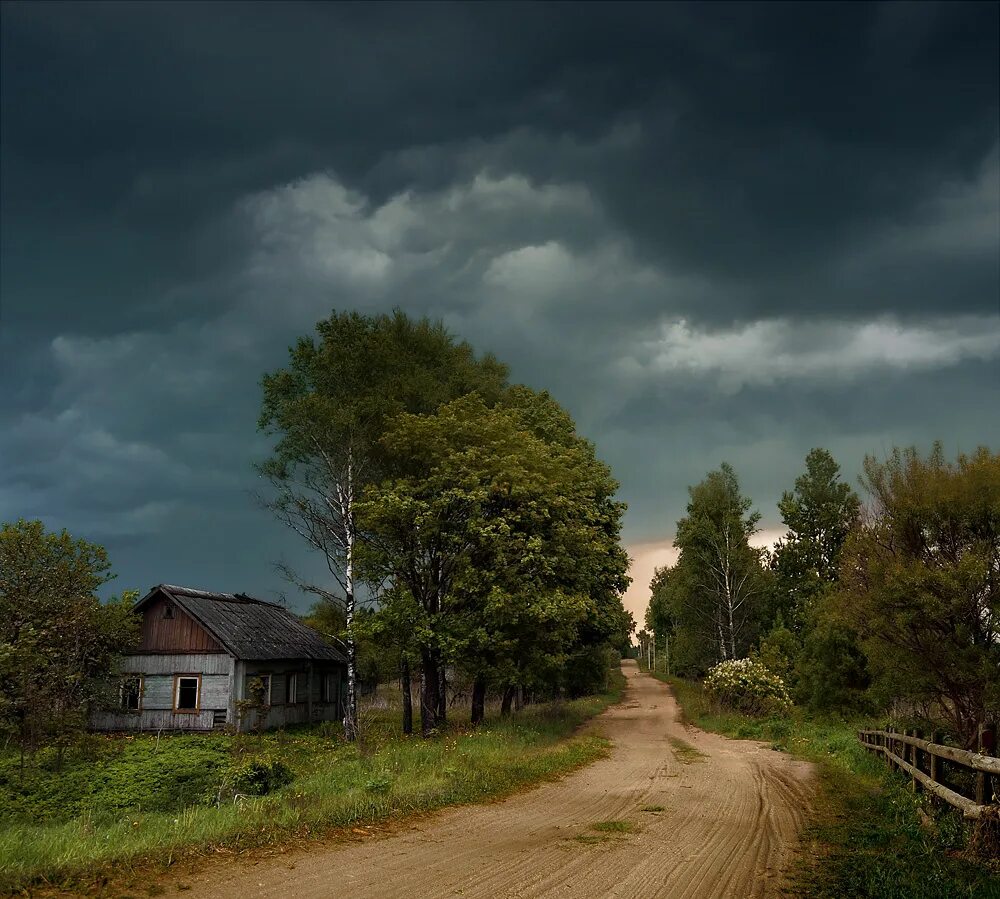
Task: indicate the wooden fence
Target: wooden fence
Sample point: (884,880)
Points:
(925,762)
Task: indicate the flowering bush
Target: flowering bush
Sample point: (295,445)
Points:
(747,686)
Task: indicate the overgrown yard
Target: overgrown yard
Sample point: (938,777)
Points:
(867,839)
(126,801)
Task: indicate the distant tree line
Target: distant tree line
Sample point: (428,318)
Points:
(481,525)
(891,605)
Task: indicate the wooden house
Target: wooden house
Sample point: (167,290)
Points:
(212,660)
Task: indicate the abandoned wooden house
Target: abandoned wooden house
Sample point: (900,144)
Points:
(212,660)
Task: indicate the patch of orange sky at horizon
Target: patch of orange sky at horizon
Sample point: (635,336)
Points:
(647,557)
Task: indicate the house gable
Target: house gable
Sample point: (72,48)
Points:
(166,627)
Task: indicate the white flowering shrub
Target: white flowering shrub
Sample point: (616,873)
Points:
(747,686)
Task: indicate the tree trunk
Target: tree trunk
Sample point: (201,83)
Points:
(351,712)
(429,687)
(404,677)
(519,699)
(442,709)
(508,697)
(478,700)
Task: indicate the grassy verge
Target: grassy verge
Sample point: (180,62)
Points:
(866,839)
(76,826)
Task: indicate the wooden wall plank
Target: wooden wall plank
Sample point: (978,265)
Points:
(180,633)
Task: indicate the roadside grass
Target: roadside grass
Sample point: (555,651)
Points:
(685,753)
(138,802)
(866,839)
(613,827)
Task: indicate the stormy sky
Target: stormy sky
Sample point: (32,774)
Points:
(713,232)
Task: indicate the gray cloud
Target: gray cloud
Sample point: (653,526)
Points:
(713,233)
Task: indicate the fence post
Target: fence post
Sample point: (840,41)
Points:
(984,745)
(910,755)
(935,738)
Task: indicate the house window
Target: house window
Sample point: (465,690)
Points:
(186,693)
(168,611)
(259,689)
(330,682)
(130,694)
(292,689)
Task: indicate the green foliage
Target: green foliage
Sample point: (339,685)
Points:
(778,651)
(920,583)
(501,538)
(58,642)
(97,821)
(747,686)
(113,775)
(709,602)
(330,409)
(258,777)
(866,837)
(819,514)
(831,671)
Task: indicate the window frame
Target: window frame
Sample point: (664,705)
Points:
(331,680)
(177,694)
(263,676)
(291,688)
(121,693)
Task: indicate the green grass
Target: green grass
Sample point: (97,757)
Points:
(865,839)
(613,827)
(127,803)
(685,753)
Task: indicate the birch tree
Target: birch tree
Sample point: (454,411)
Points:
(329,408)
(714,540)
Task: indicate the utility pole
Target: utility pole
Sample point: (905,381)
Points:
(668,653)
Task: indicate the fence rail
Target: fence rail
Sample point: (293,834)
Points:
(921,759)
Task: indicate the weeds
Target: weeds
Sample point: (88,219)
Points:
(109,811)
(613,827)
(685,753)
(865,839)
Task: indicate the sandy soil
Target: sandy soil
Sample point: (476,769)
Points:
(728,827)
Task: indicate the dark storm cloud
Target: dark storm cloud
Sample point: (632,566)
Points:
(713,231)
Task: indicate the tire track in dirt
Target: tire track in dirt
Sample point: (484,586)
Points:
(729,826)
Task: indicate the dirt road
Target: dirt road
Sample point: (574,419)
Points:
(731,812)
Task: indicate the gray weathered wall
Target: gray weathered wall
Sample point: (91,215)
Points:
(223,684)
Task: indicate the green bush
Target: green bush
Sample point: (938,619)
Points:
(258,777)
(747,686)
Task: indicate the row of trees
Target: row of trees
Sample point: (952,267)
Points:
(468,511)
(893,604)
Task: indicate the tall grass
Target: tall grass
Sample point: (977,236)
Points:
(339,785)
(866,838)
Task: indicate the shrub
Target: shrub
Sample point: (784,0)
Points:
(258,777)
(747,686)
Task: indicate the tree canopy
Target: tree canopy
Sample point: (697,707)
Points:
(58,641)
(507,541)
(330,409)
(920,582)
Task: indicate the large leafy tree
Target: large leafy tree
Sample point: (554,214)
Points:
(329,409)
(58,642)
(920,582)
(506,540)
(722,578)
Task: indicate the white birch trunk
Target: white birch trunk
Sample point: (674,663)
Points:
(351,711)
